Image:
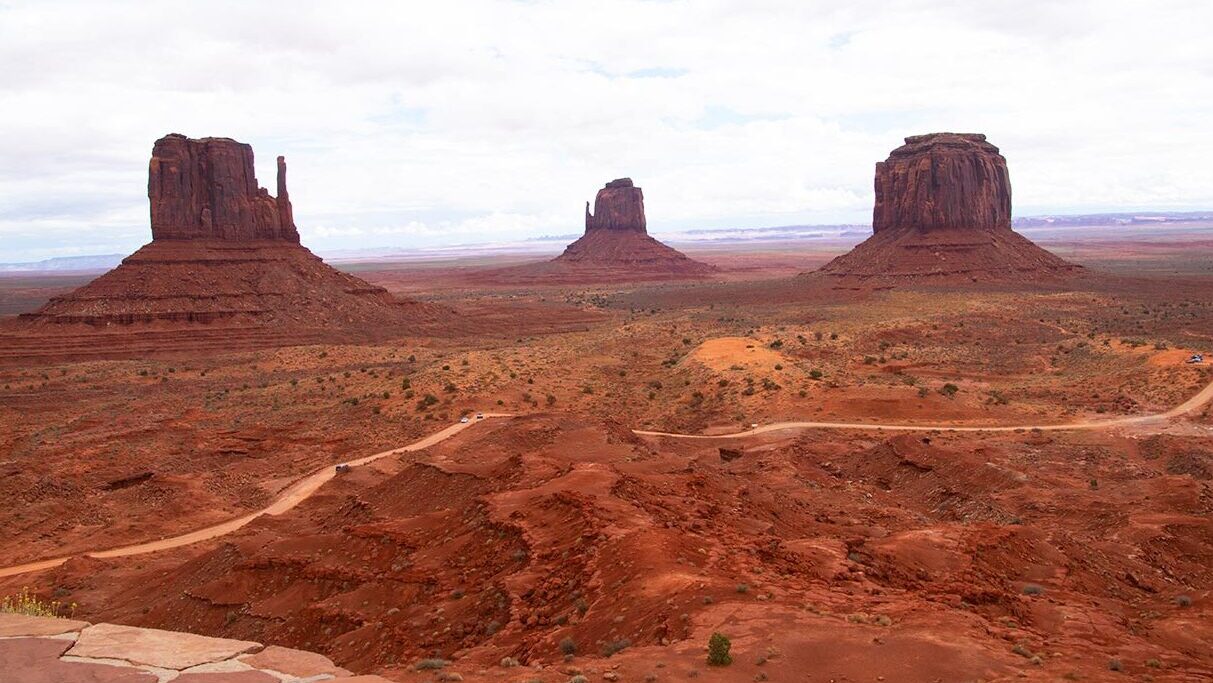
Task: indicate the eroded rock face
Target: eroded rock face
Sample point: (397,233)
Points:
(206,189)
(943,181)
(618,206)
(943,215)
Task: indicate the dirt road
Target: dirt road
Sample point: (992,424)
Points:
(304,488)
(1203,397)
(294,494)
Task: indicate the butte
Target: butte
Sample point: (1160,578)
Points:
(224,269)
(616,247)
(943,216)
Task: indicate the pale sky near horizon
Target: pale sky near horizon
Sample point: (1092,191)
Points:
(427,123)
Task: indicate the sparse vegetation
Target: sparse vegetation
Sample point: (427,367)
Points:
(31,605)
(718,650)
(615,646)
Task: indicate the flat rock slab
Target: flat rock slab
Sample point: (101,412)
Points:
(36,660)
(153,647)
(21,625)
(293,662)
(236,677)
(365,679)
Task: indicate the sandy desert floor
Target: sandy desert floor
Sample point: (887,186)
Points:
(563,541)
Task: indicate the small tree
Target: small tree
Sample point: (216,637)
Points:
(718,650)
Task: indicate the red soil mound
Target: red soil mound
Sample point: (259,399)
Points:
(943,215)
(224,268)
(616,247)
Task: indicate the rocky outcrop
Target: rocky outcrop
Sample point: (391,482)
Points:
(224,269)
(206,189)
(618,206)
(616,247)
(943,181)
(943,215)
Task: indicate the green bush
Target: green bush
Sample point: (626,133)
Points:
(718,650)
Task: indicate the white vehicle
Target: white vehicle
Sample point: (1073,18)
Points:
(1197,358)
(753,425)
(463,420)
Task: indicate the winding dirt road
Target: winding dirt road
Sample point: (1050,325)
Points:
(304,488)
(1202,397)
(296,493)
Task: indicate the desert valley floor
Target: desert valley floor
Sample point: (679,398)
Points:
(555,540)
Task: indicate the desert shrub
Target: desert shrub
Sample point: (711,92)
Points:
(615,646)
(1153,663)
(718,650)
(869,360)
(777,344)
(427,401)
(949,390)
(568,647)
(819,335)
(1183,601)
(551,400)
(1114,665)
(429,664)
(1033,589)
(29,604)
(922,392)
(815,373)
(743,588)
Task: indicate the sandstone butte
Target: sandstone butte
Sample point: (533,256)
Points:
(943,215)
(616,247)
(224,265)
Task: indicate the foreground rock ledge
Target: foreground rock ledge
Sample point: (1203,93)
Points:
(47,650)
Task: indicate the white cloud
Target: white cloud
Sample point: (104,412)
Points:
(428,123)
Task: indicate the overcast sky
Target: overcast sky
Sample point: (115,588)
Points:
(423,123)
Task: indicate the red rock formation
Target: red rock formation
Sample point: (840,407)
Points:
(616,247)
(943,181)
(618,206)
(206,189)
(943,213)
(224,266)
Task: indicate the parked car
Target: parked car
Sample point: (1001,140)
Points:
(1197,358)
(464,419)
(342,468)
(479,416)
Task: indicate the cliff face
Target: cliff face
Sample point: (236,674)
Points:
(943,215)
(206,189)
(224,268)
(618,206)
(943,181)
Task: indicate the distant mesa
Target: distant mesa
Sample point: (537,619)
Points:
(618,206)
(616,247)
(224,265)
(206,189)
(943,215)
